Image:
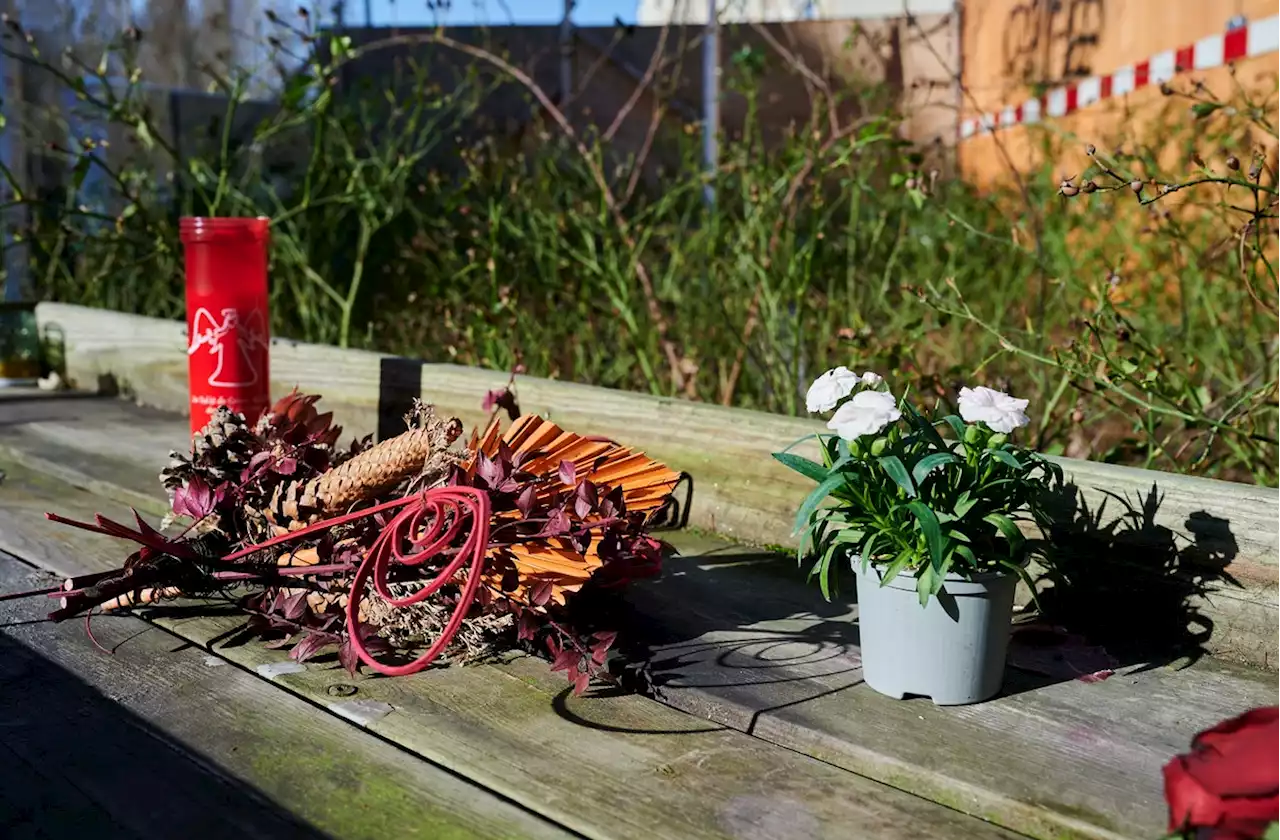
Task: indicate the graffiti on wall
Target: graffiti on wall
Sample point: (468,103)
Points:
(1048,42)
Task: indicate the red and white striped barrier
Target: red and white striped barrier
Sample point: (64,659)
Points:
(1256,38)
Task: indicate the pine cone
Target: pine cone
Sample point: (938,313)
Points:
(220,451)
(371,473)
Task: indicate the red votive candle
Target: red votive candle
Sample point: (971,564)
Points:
(227,318)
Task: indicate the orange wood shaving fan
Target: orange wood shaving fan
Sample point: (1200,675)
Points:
(646,484)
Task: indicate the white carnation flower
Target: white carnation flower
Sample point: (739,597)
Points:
(830,388)
(1001,412)
(866,414)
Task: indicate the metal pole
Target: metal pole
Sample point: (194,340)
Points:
(368,14)
(710,102)
(566,52)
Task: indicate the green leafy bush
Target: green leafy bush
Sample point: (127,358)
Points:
(1141,337)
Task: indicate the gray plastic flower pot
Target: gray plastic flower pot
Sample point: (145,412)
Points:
(952,650)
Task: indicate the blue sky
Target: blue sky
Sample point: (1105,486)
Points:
(492,12)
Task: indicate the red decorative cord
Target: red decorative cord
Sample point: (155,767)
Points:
(447,508)
(425,525)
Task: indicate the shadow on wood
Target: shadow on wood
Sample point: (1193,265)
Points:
(76,763)
(747,625)
(706,624)
(1132,586)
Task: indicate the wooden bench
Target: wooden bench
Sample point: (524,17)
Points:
(761,728)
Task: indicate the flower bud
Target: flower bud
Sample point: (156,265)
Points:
(1090,150)
(1136,186)
(973,434)
(878,446)
(1233,163)
(1090,187)
(997,440)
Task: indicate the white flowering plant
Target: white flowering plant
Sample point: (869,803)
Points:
(910,493)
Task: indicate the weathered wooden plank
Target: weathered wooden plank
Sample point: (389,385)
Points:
(1244,618)
(739,490)
(162,739)
(607,767)
(751,647)
(1050,757)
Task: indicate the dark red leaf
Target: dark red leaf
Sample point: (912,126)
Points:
(320,423)
(617,499)
(504,399)
(525,501)
(580,683)
(510,579)
(285,466)
(295,606)
(283,641)
(566,659)
(568,473)
(348,657)
(527,626)
(585,499)
(194,499)
(372,641)
(488,470)
(259,458)
(310,646)
(600,650)
(145,528)
(609,547)
(540,594)
(557,525)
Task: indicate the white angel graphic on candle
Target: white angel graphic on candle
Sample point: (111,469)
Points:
(232,335)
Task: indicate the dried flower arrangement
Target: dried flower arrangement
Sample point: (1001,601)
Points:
(468,550)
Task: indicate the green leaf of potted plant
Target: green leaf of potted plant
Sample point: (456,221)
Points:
(926,513)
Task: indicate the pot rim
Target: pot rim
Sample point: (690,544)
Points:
(911,574)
